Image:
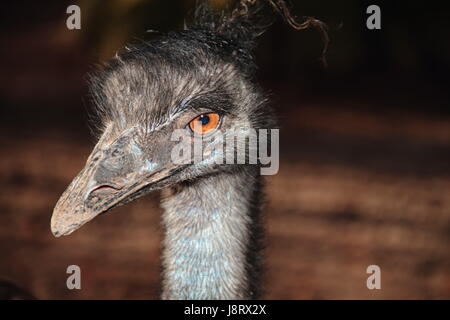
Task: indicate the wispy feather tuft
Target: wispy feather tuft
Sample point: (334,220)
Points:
(250,18)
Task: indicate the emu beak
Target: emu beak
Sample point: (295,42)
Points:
(116,172)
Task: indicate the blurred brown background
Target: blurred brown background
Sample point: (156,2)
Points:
(365,151)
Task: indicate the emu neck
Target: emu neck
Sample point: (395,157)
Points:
(211,246)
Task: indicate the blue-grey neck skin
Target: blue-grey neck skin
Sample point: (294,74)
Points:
(210,227)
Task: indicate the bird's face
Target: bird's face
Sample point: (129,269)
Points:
(143,104)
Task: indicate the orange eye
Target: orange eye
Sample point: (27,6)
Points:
(205,123)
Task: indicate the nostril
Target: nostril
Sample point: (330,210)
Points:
(103,189)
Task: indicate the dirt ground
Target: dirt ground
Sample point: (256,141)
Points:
(355,188)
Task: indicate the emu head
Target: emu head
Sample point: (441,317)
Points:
(201,77)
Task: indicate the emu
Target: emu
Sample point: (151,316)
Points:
(200,80)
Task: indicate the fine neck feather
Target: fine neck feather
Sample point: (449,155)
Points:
(212,243)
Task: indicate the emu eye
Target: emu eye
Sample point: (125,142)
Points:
(205,123)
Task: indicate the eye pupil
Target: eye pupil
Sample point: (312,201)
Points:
(204,120)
